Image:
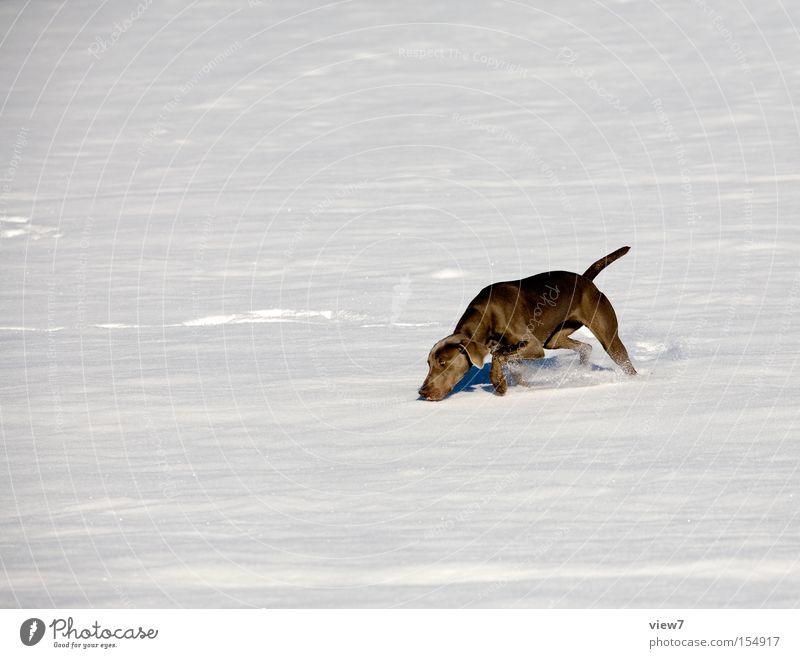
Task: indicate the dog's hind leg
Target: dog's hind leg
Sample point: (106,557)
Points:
(561,340)
(602,322)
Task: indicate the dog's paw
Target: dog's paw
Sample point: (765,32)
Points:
(501,387)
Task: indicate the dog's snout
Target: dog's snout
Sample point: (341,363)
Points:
(425,391)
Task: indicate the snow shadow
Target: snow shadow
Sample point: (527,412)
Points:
(550,372)
(565,371)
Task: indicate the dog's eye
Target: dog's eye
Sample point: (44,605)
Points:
(442,363)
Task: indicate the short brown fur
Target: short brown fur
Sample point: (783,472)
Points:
(513,320)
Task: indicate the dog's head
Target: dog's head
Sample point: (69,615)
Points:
(449,360)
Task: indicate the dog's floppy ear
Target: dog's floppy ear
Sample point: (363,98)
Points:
(476,352)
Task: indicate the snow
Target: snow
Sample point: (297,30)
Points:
(231,232)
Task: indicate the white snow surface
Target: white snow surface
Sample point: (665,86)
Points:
(231,232)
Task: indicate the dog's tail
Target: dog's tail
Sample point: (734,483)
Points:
(595,268)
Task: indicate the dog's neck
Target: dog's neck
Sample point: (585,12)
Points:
(472,324)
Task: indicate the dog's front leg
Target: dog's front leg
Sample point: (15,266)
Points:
(497,376)
(501,355)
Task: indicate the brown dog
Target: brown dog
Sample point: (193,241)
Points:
(514,320)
